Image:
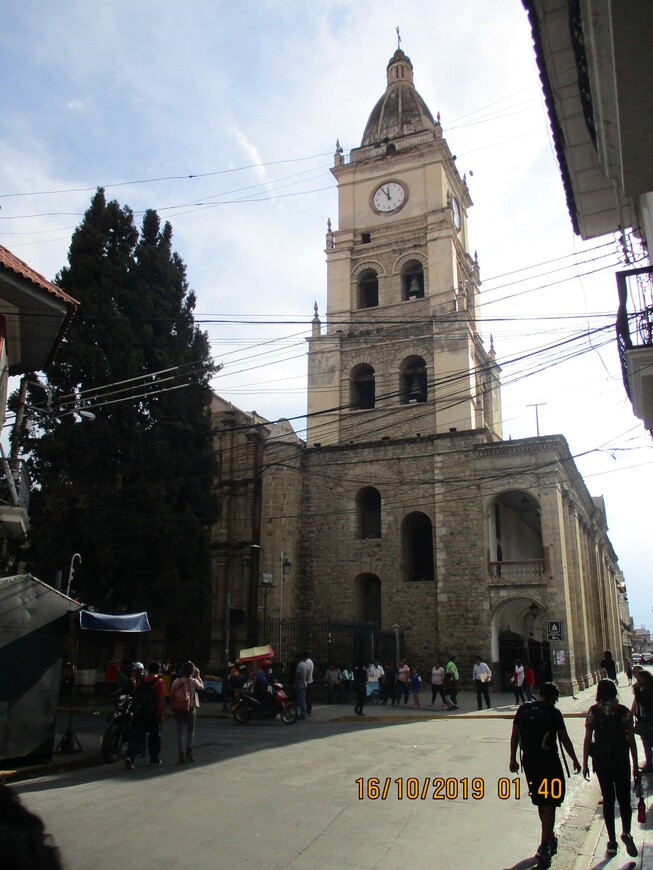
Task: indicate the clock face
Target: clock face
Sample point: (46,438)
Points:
(455,211)
(389,197)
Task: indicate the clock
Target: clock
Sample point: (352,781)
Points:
(455,212)
(389,197)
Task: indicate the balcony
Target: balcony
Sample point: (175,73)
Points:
(635,339)
(524,572)
(14,500)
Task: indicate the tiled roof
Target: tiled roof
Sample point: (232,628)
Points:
(14,264)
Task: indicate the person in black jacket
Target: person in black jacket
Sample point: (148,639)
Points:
(360,688)
(610,741)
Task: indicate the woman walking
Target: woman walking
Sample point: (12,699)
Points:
(609,741)
(184,703)
(642,710)
(437,683)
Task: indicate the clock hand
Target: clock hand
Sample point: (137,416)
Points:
(387,193)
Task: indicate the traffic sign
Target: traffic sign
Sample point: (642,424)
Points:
(554,629)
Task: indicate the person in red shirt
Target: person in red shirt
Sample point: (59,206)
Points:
(529,681)
(149,711)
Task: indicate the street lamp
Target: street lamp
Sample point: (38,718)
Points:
(284,569)
(72,571)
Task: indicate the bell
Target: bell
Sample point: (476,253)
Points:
(416,393)
(414,290)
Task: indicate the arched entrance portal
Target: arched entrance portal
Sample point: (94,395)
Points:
(519,632)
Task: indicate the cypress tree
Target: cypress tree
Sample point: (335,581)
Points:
(131,490)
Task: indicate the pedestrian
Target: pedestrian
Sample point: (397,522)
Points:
(610,741)
(536,728)
(403,683)
(333,683)
(149,711)
(301,674)
(482,676)
(437,682)
(529,681)
(628,668)
(609,666)
(184,703)
(347,676)
(389,683)
(375,674)
(360,687)
(309,683)
(518,682)
(415,686)
(24,843)
(451,678)
(642,710)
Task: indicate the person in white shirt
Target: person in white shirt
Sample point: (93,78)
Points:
(437,683)
(518,682)
(482,675)
(309,683)
(375,674)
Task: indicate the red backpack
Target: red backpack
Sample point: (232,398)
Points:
(180,700)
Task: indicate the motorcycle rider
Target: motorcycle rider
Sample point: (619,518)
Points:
(264,686)
(149,711)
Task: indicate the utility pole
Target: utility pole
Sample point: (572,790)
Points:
(537,405)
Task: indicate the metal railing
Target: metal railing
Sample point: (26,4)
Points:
(634,329)
(518,571)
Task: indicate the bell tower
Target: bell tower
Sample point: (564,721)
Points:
(401,355)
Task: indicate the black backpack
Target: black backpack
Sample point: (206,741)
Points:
(610,738)
(537,728)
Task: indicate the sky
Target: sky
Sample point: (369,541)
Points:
(224,118)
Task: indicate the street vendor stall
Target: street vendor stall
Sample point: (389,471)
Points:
(34,621)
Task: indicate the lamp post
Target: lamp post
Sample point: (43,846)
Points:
(252,616)
(284,569)
(72,571)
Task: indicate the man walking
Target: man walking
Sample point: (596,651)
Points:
(482,675)
(301,673)
(451,678)
(536,729)
(360,687)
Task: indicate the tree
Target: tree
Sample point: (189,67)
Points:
(130,490)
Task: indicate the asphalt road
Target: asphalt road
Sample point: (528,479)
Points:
(325,793)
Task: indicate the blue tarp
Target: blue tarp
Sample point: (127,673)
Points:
(107,622)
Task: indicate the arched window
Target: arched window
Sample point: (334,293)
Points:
(417,547)
(368,289)
(412,280)
(371,598)
(413,382)
(362,387)
(368,512)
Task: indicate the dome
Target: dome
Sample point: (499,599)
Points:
(400,111)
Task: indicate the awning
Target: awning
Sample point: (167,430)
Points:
(108,622)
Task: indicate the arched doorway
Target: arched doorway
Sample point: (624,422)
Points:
(519,632)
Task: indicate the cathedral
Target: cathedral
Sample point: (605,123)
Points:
(405,526)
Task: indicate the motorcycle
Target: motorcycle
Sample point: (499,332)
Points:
(247,706)
(117,734)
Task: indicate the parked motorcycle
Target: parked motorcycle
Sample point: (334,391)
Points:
(248,706)
(117,734)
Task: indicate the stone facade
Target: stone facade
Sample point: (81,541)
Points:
(406,513)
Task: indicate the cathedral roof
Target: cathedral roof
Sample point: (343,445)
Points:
(400,111)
